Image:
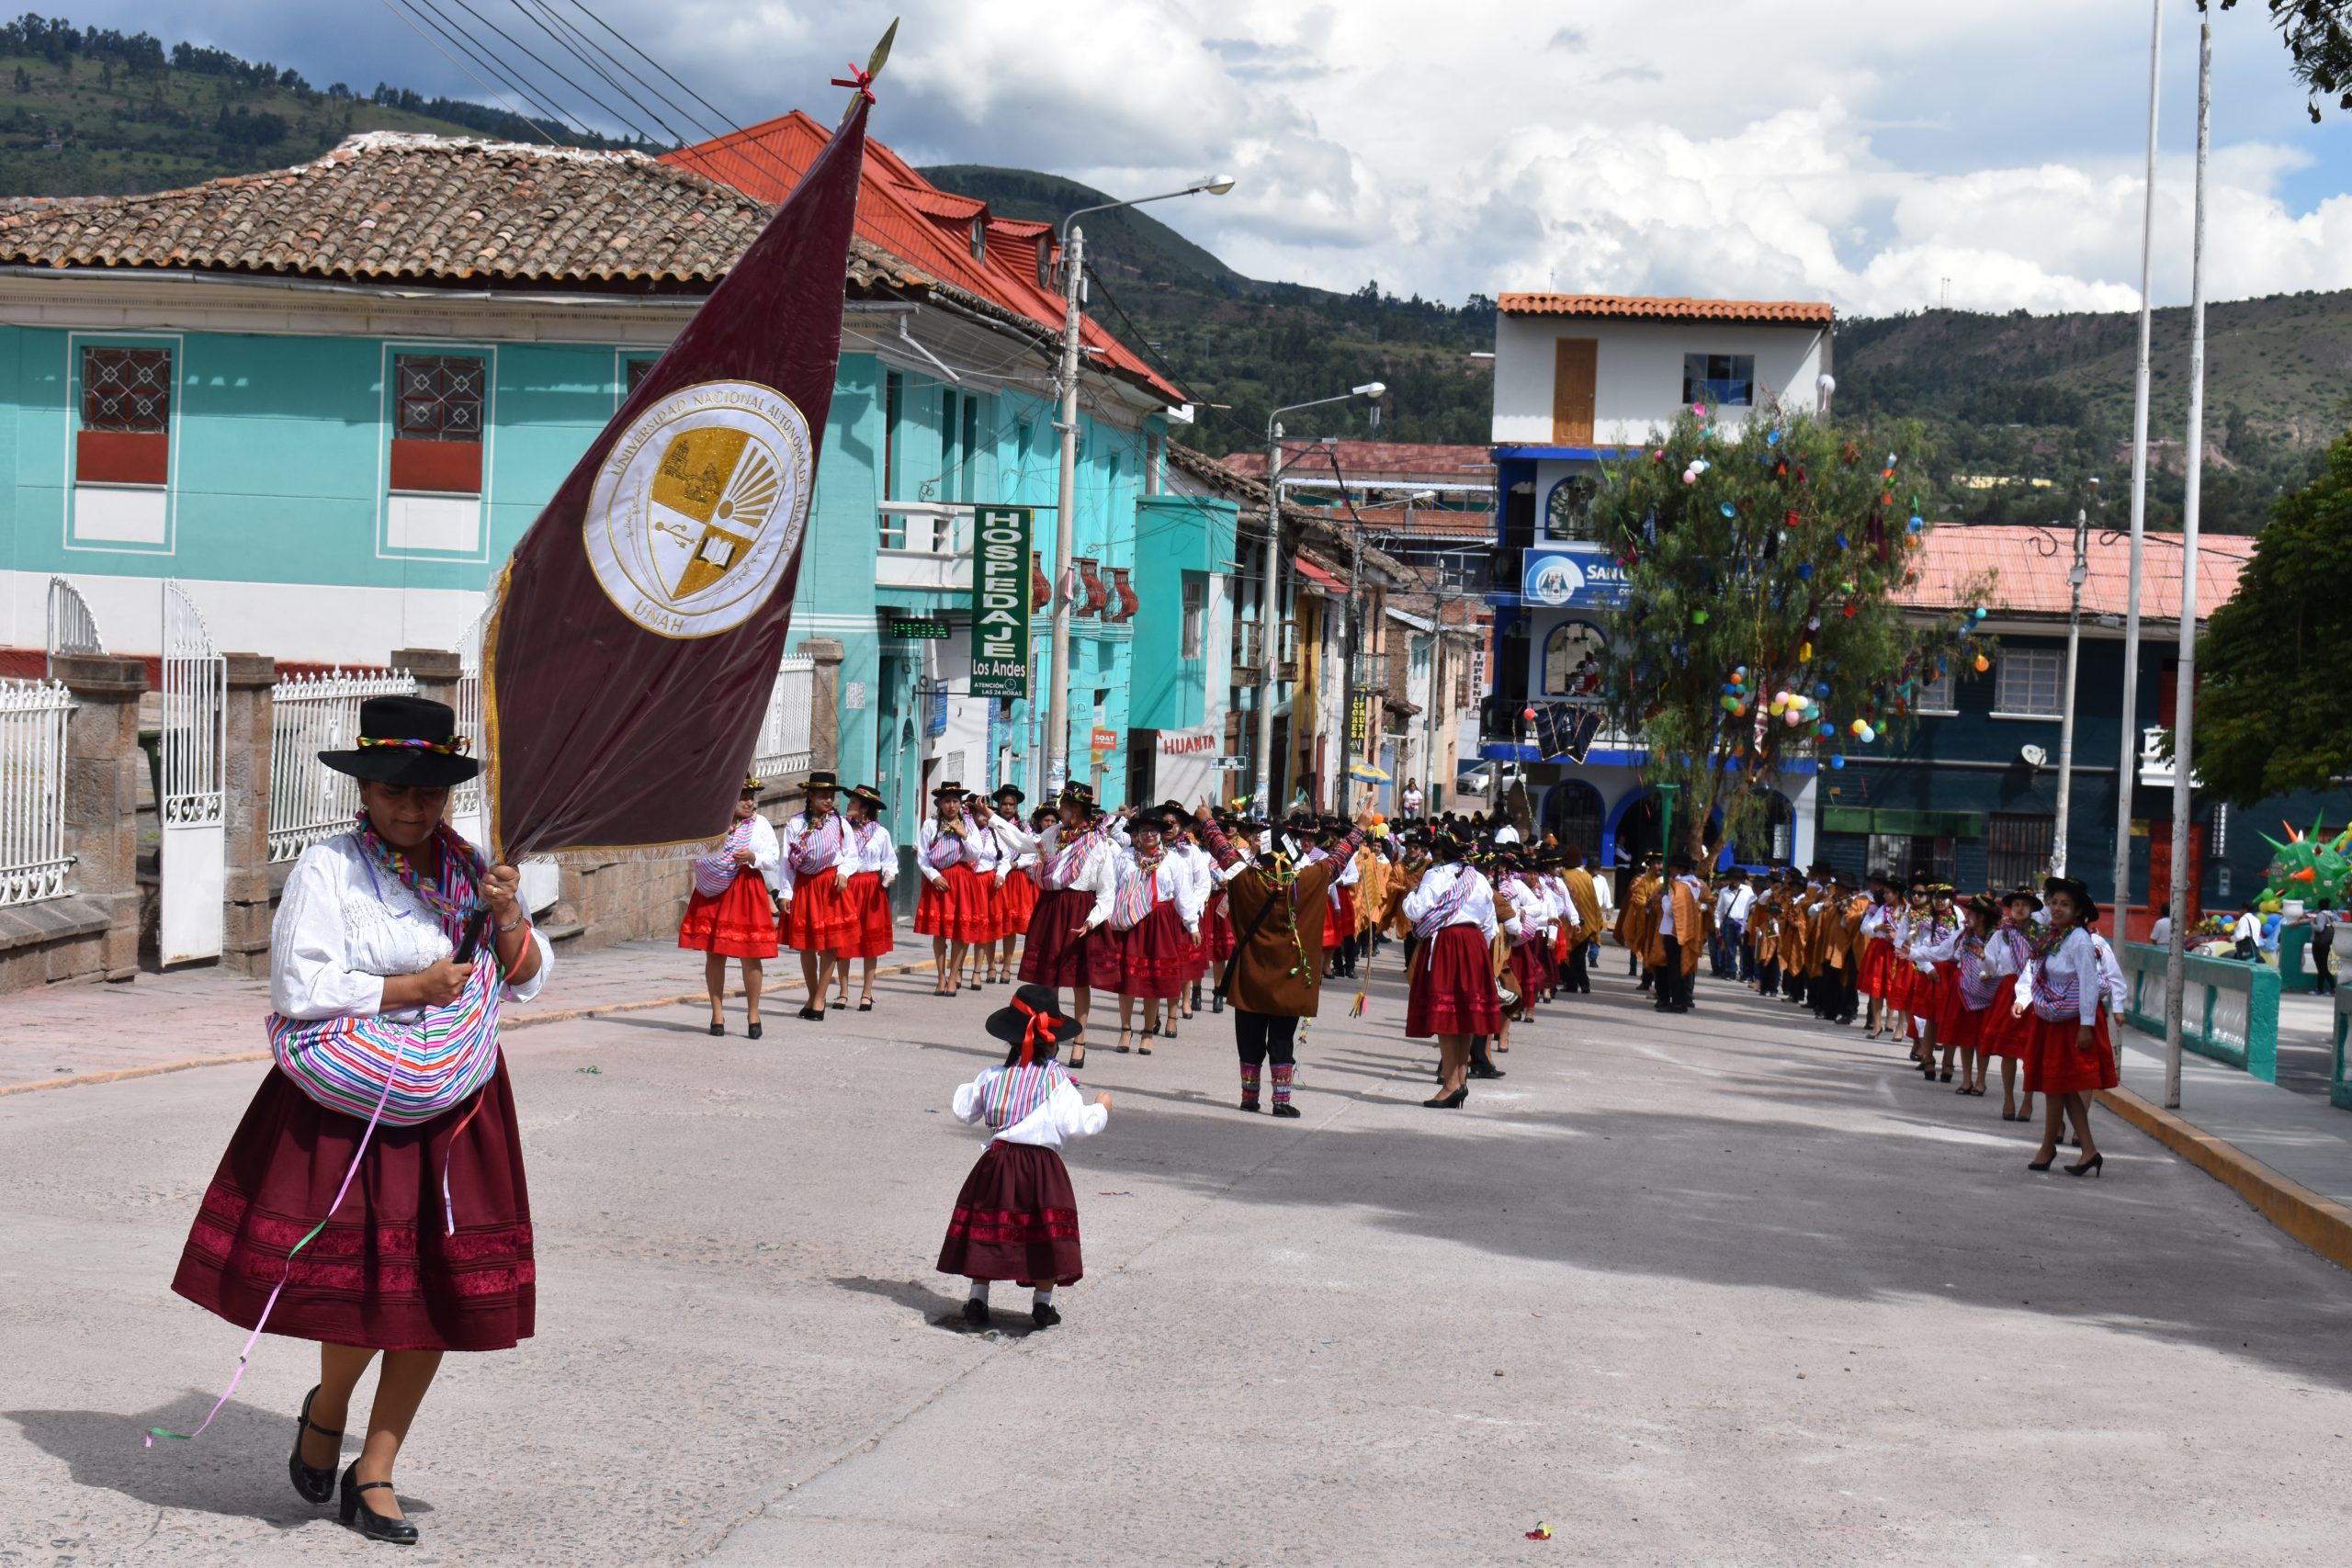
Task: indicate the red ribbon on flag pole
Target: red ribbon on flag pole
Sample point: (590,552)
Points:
(859,79)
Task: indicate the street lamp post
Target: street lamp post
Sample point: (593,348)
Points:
(1059,676)
(1269,597)
(2077,575)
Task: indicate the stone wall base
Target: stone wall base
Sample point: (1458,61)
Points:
(59,940)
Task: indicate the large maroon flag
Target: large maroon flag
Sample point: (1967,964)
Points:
(637,631)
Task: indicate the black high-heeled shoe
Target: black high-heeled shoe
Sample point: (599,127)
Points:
(315,1485)
(367,1520)
(2040,1164)
(2090,1166)
(1450,1102)
(717,1029)
(753,1031)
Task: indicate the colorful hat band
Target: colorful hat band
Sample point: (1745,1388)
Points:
(451,747)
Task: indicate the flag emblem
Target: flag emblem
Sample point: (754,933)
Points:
(699,506)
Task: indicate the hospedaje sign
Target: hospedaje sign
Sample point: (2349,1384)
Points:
(1001,602)
(1577,576)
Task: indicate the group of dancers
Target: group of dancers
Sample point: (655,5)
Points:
(2022,976)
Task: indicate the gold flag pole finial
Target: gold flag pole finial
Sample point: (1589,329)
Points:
(861,83)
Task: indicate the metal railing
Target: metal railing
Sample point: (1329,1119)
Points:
(195,715)
(310,802)
(785,746)
(33,861)
(926,527)
(71,628)
(468,801)
(2229,1009)
(2339,1087)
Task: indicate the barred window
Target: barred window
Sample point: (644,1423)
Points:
(440,398)
(1935,697)
(126,392)
(2028,681)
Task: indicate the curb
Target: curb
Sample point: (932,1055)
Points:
(567,1015)
(2320,1223)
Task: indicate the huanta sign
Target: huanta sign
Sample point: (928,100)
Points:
(1001,602)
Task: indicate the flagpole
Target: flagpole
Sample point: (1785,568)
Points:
(2127,769)
(2185,694)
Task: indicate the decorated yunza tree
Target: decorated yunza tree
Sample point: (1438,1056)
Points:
(1764,559)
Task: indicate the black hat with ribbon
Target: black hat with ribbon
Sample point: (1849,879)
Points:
(1033,1023)
(409,742)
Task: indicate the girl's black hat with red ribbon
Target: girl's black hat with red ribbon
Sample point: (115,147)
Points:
(1033,1019)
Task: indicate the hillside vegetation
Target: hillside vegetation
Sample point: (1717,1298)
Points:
(2006,400)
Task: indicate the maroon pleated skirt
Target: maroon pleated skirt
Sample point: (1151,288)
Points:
(1055,954)
(865,930)
(385,1274)
(1453,986)
(737,923)
(2055,1065)
(1216,925)
(1937,1001)
(1015,1219)
(1156,957)
(1528,964)
(817,918)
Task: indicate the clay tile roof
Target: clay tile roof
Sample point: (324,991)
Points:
(389,207)
(2029,569)
(1426,523)
(1421,460)
(1796,312)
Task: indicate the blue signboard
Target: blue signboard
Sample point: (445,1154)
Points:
(1574,576)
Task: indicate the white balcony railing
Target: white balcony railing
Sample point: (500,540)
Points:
(2156,768)
(924,545)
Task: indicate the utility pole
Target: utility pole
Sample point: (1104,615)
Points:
(1065,527)
(1270,609)
(2077,575)
(2128,764)
(1348,679)
(2185,694)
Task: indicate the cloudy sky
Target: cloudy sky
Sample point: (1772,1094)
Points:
(1859,151)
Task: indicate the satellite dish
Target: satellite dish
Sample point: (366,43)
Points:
(2034,755)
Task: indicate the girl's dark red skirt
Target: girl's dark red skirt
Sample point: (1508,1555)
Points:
(383,1274)
(1216,924)
(1015,1219)
(1054,955)
(1453,986)
(865,930)
(1156,956)
(737,923)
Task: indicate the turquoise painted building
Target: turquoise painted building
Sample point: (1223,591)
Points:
(329,406)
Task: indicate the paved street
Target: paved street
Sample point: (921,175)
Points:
(1723,1289)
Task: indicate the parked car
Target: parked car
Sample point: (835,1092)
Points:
(1477,781)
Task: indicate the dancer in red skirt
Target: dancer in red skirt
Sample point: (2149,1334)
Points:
(991,843)
(2005,1032)
(1156,921)
(1178,841)
(1216,912)
(1016,891)
(731,914)
(864,872)
(1016,1218)
(1878,948)
(1974,984)
(1453,995)
(2070,1055)
(1077,880)
(429,1249)
(1935,1000)
(1902,974)
(946,912)
(815,918)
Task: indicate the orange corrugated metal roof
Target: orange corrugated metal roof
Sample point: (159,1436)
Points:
(906,215)
(1796,312)
(2029,569)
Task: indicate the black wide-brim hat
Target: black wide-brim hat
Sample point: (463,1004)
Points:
(411,742)
(1010,1023)
(2079,890)
(1013,790)
(822,779)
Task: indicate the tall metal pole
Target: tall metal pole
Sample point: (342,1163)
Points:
(2185,694)
(2128,764)
(1348,682)
(2075,578)
(1057,673)
(1270,605)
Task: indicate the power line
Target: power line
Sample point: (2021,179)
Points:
(449,27)
(528,53)
(411,24)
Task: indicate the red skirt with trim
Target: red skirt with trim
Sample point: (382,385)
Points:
(1453,986)
(1055,954)
(384,1274)
(1935,1000)
(1900,979)
(955,906)
(1339,920)
(738,923)
(1016,901)
(1870,980)
(1156,956)
(866,930)
(1015,1219)
(2055,1065)
(1216,924)
(2001,1033)
(1528,962)
(818,919)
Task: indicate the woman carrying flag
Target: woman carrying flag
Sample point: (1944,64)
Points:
(729,915)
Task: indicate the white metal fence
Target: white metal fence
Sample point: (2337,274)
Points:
(310,714)
(33,861)
(783,745)
(71,628)
(196,707)
(468,804)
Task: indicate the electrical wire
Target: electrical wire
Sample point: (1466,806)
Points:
(397,10)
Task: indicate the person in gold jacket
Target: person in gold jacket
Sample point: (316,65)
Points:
(1834,988)
(1676,936)
(1764,937)
(1798,959)
(1586,899)
(1638,921)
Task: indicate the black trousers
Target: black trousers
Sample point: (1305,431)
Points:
(1673,985)
(1768,977)
(1576,979)
(2323,948)
(1264,1037)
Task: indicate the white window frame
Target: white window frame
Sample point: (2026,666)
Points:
(1936,698)
(1195,616)
(2032,666)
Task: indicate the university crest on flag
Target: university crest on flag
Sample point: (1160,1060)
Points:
(634,634)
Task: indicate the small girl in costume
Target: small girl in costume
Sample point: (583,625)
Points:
(1017,1218)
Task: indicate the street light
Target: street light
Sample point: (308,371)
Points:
(1058,673)
(1270,602)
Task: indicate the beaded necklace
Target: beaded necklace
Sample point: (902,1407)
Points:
(452,896)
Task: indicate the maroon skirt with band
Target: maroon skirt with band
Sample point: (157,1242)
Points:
(1015,1219)
(1453,986)
(387,1273)
(1156,957)
(1055,953)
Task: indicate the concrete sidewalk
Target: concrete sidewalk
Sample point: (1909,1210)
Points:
(198,1017)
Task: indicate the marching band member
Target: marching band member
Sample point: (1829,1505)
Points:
(1452,981)
(730,914)
(813,915)
(867,866)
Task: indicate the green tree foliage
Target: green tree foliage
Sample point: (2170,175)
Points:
(2273,713)
(1765,561)
(2318,39)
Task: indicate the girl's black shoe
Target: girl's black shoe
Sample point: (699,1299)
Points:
(2090,1166)
(1285,1108)
(976,1311)
(1250,1103)
(1043,1315)
(365,1519)
(315,1485)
